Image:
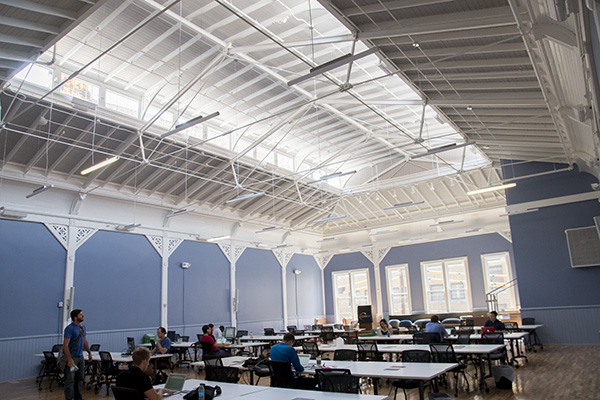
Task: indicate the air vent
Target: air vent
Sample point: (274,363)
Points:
(584,247)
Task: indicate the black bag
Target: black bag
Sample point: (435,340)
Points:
(160,378)
(210,392)
(254,362)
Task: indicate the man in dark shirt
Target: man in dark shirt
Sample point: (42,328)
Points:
(285,351)
(136,379)
(494,323)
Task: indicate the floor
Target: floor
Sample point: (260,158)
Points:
(556,372)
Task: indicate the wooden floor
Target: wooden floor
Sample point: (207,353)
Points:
(556,372)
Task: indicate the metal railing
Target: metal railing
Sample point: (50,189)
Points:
(491,298)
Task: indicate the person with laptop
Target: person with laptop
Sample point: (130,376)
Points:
(493,322)
(435,326)
(136,377)
(163,344)
(284,351)
(217,349)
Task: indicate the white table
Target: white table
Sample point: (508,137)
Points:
(513,337)
(276,338)
(401,337)
(231,391)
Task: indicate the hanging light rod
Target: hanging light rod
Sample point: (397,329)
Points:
(384,232)
(492,188)
(335,63)
(442,148)
(331,176)
(282,246)
(509,213)
(270,228)
(245,197)
(192,122)
(217,238)
(401,205)
(179,212)
(331,218)
(102,164)
(127,228)
(11,214)
(39,190)
(448,222)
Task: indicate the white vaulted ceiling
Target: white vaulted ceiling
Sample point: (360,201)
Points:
(485,81)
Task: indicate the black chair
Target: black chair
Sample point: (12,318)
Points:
(182,353)
(422,356)
(108,372)
(311,348)
(534,339)
(124,393)
(444,353)
(172,335)
(345,355)
(212,361)
(95,347)
(206,348)
(269,332)
(327,334)
(281,374)
(405,323)
(222,374)
(367,351)
(291,329)
(241,333)
(261,370)
(337,380)
(426,337)
(495,338)
(55,349)
(50,369)
(463,337)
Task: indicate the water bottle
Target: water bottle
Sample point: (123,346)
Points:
(388,334)
(201,392)
(74,369)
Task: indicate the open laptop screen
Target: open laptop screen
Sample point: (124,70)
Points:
(175,382)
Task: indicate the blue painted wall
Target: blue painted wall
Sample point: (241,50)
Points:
(342,262)
(309,290)
(200,294)
(258,278)
(472,247)
(547,283)
(117,282)
(32,263)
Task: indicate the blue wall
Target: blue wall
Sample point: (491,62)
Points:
(548,286)
(310,294)
(472,247)
(200,294)
(258,279)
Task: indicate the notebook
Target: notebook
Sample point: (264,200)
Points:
(175,382)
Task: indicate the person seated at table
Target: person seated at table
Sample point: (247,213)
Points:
(384,328)
(435,326)
(494,322)
(163,344)
(136,377)
(217,349)
(284,351)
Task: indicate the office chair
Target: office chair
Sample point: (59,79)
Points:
(444,353)
(108,372)
(345,355)
(222,374)
(337,380)
(327,334)
(269,332)
(281,374)
(426,337)
(311,348)
(422,356)
(50,369)
(124,393)
(367,351)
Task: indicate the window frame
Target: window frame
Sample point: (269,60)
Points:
(349,272)
(388,270)
(447,289)
(510,277)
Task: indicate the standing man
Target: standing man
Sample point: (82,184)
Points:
(137,379)
(74,343)
(163,344)
(435,326)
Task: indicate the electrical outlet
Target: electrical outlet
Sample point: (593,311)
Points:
(60,304)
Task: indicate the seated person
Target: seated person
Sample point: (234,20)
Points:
(384,328)
(163,344)
(435,326)
(285,351)
(217,349)
(136,377)
(494,323)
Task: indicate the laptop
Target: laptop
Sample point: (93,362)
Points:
(488,329)
(175,382)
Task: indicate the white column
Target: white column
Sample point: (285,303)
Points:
(69,275)
(284,290)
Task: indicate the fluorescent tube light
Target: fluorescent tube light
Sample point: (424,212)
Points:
(401,205)
(192,122)
(39,190)
(217,238)
(449,222)
(245,197)
(335,63)
(270,228)
(282,246)
(174,213)
(491,188)
(343,250)
(331,176)
(11,214)
(384,232)
(328,239)
(102,164)
(441,149)
(127,228)
(331,218)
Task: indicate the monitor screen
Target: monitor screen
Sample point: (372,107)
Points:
(229,332)
(130,344)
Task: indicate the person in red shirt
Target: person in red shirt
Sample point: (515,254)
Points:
(217,349)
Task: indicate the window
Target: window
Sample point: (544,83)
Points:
(285,162)
(497,272)
(165,120)
(350,290)
(121,103)
(398,289)
(265,155)
(446,285)
(80,89)
(38,75)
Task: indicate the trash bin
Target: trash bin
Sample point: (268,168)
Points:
(504,375)
(439,396)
